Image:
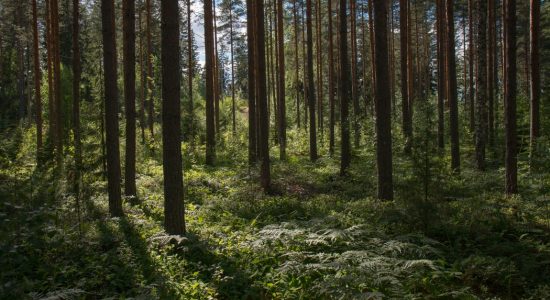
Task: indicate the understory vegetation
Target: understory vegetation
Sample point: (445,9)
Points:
(317,235)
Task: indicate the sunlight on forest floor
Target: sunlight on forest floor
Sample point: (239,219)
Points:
(318,236)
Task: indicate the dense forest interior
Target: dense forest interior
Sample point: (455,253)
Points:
(275,149)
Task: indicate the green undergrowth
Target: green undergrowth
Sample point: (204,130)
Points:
(316,236)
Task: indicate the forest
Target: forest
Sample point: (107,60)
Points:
(274,149)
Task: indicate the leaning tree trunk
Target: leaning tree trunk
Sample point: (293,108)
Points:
(174,214)
(111,106)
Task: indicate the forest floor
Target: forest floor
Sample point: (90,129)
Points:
(318,235)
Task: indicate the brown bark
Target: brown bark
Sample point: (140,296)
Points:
(510,118)
(354,96)
(405,48)
(535,82)
(441,23)
(452,86)
(310,85)
(382,103)
(111,106)
(331,79)
(174,214)
(210,83)
(37,79)
(76,103)
(129,41)
(190,75)
(344,88)
(281,87)
(491,58)
(252,123)
(481,84)
(150,103)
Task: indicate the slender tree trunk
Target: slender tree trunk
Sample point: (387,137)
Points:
(471,60)
(344,88)
(319,40)
(58,131)
(354,96)
(210,83)
(535,74)
(510,82)
(37,80)
(371,38)
(233,107)
(441,73)
(252,123)
(217,90)
(111,106)
(452,86)
(404,45)
(481,84)
(297,63)
(174,214)
(20,65)
(143,77)
(265,176)
(150,103)
(331,79)
(76,103)
(190,75)
(281,90)
(304,67)
(382,103)
(310,85)
(50,49)
(129,43)
(490,73)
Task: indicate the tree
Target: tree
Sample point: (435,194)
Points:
(405,48)
(354,93)
(441,29)
(76,102)
(174,222)
(111,106)
(344,89)
(382,102)
(510,83)
(331,78)
(37,79)
(535,74)
(481,84)
(259,64)
(310,85)
(281,87)
(252,123)
(150,103)
(452,86)
(129,41)
(210,82)
(190,74)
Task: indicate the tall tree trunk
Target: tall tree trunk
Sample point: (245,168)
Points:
(296,62)
(111,106)
(76,103)
(490,73)
(190,75)
(50,49)
(452,86)
(210,83)
(281,90)
(319,40)
(174,214)
(510,82)
(143,77)
(129,43)
(150,103)
(265,176)
(535,74)
(344,88)
(382,103)
(471,60)
(441,24)
(233,107)
(371,38)
(217,90)
(20,64)
(56,60)
(331,79)
(481,84)
(354,96)
(405,48)
(304,67)
(252,122)
(37,79)
(310,85)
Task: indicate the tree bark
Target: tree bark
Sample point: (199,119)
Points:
(252,123)
(76,102)
(310,85)
(510,82)
(354,96)
(190,75)
(344,89)
(281,88)
(331,79)
(535,74)
(210,83)
(111,106)
(481,84)
(452,86)
(441,24)
(150,103)
(382,103)
(174,214)
(405,48)
(129,42)
(37,80)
